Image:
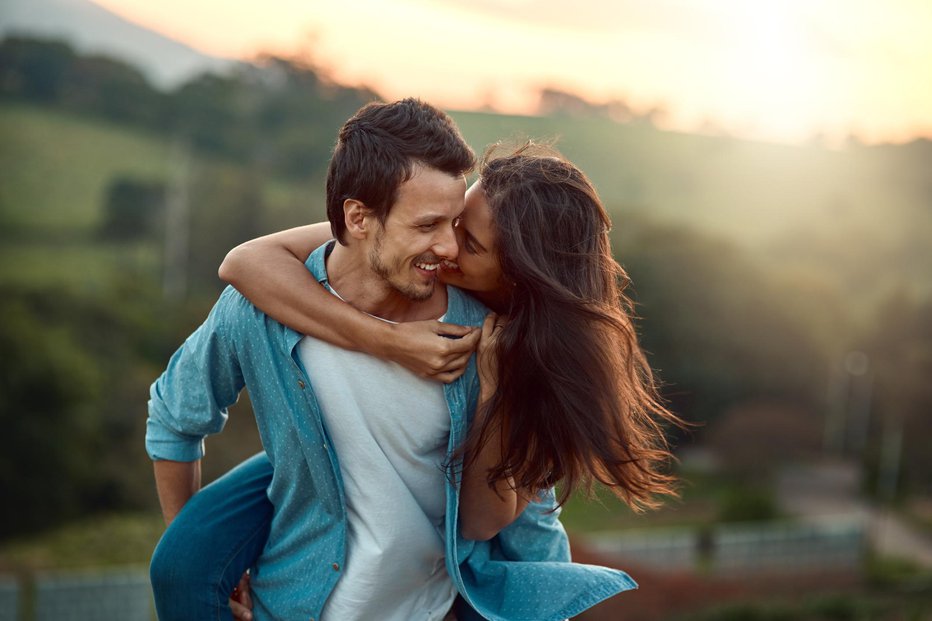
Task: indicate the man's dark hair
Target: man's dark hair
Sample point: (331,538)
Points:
(378,148)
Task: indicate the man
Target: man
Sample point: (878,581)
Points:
(395,186)
(365,516)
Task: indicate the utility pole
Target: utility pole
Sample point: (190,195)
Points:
(177,224)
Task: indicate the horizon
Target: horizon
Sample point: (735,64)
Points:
(789,72)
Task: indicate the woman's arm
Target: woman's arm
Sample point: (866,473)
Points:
(486,509)
(270,272)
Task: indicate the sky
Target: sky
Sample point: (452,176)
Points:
(774,70)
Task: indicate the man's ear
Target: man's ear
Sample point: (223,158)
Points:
(358,218)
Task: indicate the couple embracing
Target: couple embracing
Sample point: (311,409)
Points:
(421,382)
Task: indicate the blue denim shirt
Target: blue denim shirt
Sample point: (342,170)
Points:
(524,573)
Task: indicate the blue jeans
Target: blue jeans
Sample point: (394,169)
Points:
(216,537)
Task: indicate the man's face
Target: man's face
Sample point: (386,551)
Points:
(418,233)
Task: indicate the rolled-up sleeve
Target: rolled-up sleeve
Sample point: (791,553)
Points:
(189,400)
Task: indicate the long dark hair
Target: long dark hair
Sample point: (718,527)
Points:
(576,399)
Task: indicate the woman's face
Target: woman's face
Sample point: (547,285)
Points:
(477,268)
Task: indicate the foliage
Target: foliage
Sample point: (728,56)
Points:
(747,503)
(47,388)
(715,325)
(52,73)
(752,439)
(278,114)
(75,375)
(133,209)
(229,211)
(108,539)
(839,607)
(899,349)
(67,361)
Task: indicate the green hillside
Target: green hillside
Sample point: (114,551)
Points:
(57,166)
(746,190)
(844,217)
(56,171)
(846,214)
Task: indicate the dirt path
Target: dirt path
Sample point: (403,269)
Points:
(830,490)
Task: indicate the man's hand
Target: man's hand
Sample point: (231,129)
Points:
(432,349)
(241,600)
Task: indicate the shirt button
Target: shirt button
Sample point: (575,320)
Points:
(336,567)
(301,384)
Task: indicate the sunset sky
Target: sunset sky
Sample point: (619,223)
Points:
(776,70)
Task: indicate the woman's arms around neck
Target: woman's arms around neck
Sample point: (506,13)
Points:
(270,272)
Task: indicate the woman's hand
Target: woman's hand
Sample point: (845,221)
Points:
(488,355)
(432,349)
(241,600)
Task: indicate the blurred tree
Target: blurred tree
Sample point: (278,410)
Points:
(114,90)
(715,326)
(47,389)
(209,111)
(32,69)
(73,385)
(300,113)
(753,438)
(227,209)
(50,72)
(278,115)
(133,209)
(899,349)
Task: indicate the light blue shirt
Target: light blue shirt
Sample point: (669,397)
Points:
(524,573)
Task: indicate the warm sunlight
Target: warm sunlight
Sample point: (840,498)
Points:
(768,70)
(783,71)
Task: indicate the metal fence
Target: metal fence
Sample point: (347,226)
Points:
(671,549)
(112,595)
(9,599)
(836,544)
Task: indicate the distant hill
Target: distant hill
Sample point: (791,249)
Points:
(863,212)
(92,29)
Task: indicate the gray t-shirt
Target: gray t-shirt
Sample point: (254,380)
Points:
(390,431)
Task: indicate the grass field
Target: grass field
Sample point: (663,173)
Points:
(56,167)
(100,541)
(79,266)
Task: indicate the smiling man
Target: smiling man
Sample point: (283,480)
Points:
(357,444)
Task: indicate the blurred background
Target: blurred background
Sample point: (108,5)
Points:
(768,168)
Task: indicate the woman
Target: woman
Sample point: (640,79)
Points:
(566,392)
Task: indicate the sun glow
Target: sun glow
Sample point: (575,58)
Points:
(770,74)
(755,68)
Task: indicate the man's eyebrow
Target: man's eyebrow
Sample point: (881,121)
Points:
(427,218)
